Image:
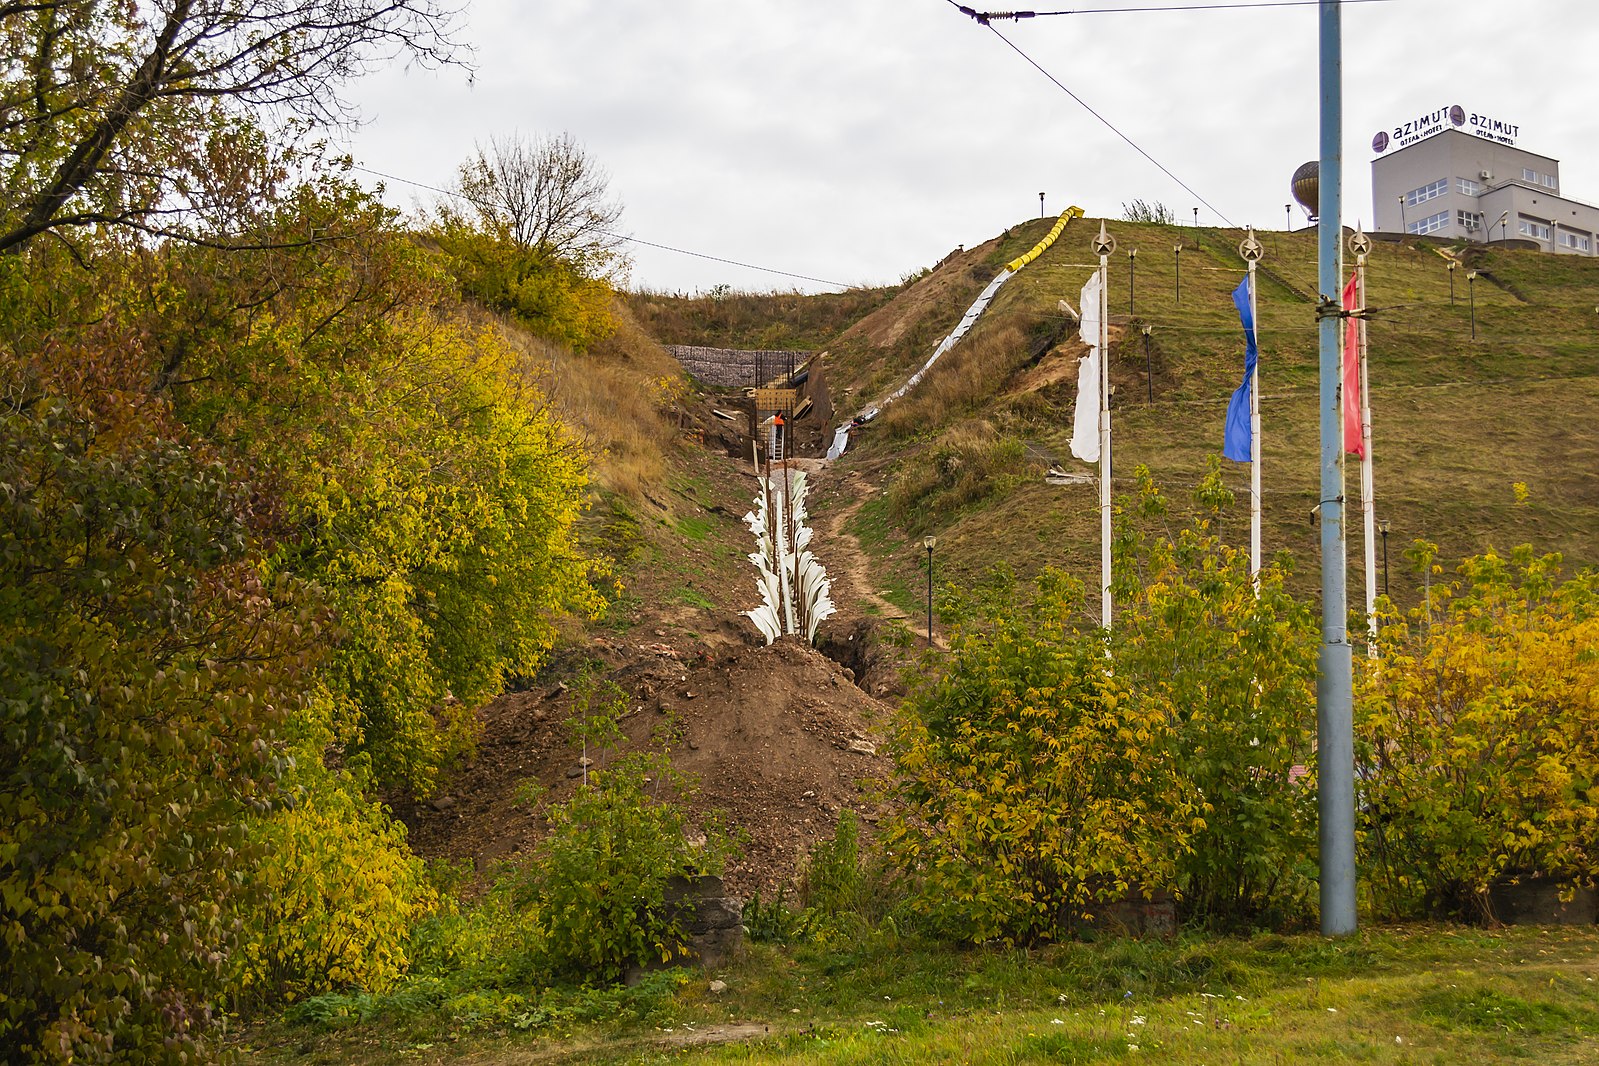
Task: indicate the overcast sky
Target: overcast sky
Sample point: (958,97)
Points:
(856,141)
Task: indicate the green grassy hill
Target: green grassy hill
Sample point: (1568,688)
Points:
(1457,422)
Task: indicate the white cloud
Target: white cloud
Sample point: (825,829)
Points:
(860,139)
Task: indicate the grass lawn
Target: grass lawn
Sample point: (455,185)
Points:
(1414,994)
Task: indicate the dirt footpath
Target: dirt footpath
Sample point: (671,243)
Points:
(782,738)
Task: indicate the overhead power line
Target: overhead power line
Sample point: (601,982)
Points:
(1108,124)
(986,17)
(618,236)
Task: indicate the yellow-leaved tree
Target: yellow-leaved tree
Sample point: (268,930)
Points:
(1036,788)
(1229,661)
(1478,736)
(412,468)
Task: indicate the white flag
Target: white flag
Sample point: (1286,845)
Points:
(1085,425)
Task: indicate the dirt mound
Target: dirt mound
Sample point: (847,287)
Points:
(952,283)
(780,737)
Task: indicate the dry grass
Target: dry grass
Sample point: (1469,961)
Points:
(772,320)
(1457,422)
(972,463)
(959,383)
(620,399)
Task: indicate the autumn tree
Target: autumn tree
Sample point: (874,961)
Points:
(146,672)
(1477,731)
(1228,659)
(529,233)
(547,196)
(128,115)
(1035,788)
(413,473)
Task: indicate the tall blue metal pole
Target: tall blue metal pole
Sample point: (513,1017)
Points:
(1334,690)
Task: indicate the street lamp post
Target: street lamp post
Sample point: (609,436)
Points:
(1040,205)
(1196,222)
(1404,227)
(1504,221)
(1177,253)
(1288,213)
(1149,367)
(1382,527)
(1452,266)
(928,542)
(1132,264)
(1471,292)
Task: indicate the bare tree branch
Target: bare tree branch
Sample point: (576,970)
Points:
(95,92)
(549,196)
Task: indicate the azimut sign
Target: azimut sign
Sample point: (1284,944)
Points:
(1428,123)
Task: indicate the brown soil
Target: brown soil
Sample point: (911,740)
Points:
(1059,366)
(782,738)
(946,286)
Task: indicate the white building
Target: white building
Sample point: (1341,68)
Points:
(1450,174)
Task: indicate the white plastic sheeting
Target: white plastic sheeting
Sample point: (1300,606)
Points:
(841,435)
(968,320)
(796,593)
(1085,422)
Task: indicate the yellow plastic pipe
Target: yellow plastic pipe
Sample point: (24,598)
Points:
(1049,239)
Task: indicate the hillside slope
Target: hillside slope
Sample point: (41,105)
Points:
(785,738)
(1458,423)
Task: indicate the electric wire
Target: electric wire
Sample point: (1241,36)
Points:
(984,17)
(1108,124)
(617,236)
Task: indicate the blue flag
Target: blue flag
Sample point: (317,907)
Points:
(1240,439)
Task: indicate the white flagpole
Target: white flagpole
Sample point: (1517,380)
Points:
(1251,250)
(1367,493)
(1104,244)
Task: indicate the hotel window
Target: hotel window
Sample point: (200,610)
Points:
(1530,175)
(1426,192)
(1468,187)
(1469,220)
(1531,228)
(1580,241)
(1430,224)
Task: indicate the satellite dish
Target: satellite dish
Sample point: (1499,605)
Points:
(1306,184)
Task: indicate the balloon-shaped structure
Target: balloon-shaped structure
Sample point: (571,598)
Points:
(1307,187)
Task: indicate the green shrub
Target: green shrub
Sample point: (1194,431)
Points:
(832,881)
(145,669)
(774,921)
(1034,785)
(1232,668)
(1478,730)
(336,892)
(597,883)
(548,295)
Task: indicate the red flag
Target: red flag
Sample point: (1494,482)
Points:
(1354,442)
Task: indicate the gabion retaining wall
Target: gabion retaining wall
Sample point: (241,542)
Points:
(730,367)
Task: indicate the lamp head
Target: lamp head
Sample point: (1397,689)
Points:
(928,542)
